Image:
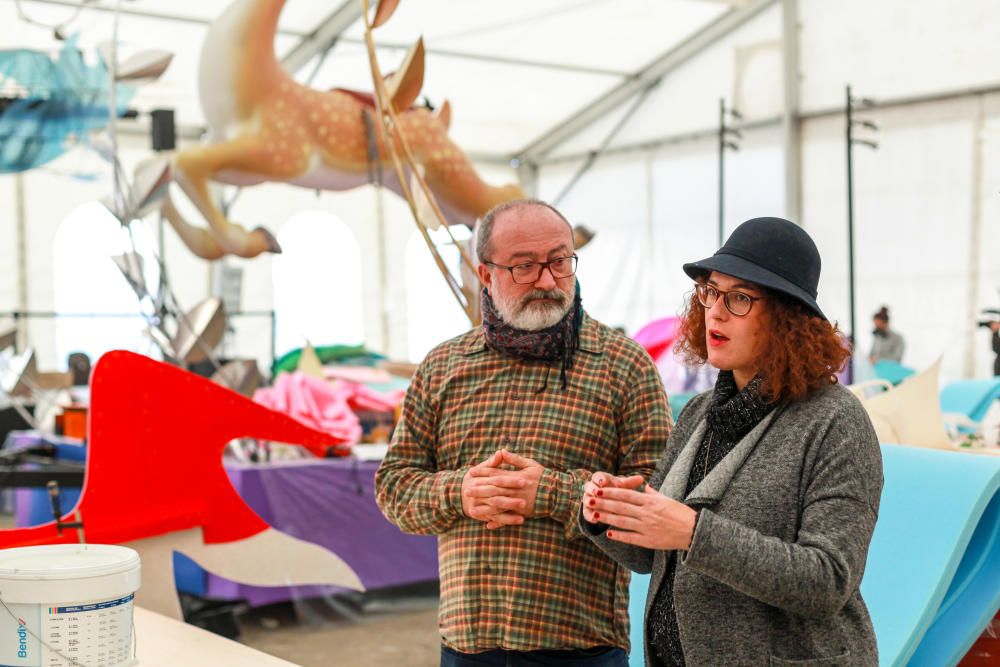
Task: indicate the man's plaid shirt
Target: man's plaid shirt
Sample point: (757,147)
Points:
(541,585)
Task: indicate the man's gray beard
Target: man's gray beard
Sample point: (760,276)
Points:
(529,315)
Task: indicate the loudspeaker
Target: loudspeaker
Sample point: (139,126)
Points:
(164,138)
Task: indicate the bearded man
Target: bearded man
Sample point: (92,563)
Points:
(500,429)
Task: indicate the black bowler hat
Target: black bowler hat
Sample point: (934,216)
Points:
(770,252)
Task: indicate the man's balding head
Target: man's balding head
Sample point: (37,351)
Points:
(486,227)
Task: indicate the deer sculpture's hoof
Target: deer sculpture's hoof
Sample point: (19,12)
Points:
(271,243)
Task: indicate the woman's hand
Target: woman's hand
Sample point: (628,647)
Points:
(643,518)
(601,480)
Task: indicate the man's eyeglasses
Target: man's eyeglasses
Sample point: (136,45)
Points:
(737,303)
(531,272)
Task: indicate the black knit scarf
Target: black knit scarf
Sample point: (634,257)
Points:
(731,414)
(556,343)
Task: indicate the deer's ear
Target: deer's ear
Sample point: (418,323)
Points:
(384,12)
(404,84)
(444,114)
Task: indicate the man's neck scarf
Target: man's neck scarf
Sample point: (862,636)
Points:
(556,343)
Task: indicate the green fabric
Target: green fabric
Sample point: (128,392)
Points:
(353,355)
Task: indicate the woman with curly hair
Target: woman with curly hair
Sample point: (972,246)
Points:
(756,522)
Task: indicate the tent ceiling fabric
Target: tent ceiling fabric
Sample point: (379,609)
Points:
(606,34)
(299,16)
(511,70)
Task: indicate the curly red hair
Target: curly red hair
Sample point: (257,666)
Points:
(801,351)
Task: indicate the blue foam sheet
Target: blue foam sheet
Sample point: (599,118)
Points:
(971,398)
(932,582)
(892,371)
(934,565)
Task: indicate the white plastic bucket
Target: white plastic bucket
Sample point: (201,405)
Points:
(67,605)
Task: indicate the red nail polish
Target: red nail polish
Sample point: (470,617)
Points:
(592,502)
(610,534)
(597,515)
(600,492)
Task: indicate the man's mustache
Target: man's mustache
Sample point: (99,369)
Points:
(553,294)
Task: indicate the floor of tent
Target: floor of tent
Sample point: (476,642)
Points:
(393,635)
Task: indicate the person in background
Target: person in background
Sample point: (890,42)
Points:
(887,344)
(757,521)
(499,431)
(79,365)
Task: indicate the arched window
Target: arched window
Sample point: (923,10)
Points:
(317,283)
(433,314)
(87,281)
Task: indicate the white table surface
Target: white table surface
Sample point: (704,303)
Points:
(164,642)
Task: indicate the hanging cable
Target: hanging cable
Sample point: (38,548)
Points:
(56,28)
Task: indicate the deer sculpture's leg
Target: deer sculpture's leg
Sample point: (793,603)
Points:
(447,169)
(149,181)
(198,240)
(248,154)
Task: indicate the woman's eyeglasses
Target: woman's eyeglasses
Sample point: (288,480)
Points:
(737,303)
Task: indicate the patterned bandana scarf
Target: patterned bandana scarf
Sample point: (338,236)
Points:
(556,343)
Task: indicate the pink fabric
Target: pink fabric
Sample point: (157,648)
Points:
(658,336)
(360,397)
(363,374)
(326,406)
(313,402)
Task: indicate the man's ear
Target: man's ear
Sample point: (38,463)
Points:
(486,276)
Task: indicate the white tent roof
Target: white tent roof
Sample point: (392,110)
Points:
(540,61)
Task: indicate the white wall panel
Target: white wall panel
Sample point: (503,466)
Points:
(614,270)
(895,48)
(8,245)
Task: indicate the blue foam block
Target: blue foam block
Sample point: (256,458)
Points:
(189,576)
(636,610)
(934,565)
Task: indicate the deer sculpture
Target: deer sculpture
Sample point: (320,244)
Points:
(265,126)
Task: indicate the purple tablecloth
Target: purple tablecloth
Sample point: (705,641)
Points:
(330,502)
(31,505)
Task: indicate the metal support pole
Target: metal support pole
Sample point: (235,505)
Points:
(274,338)
(975,238)
(850,223)
(21,260)
(527,176)
(728,137)
(851,140)
(722,169)
(383,269)
(17,331)
(790,122)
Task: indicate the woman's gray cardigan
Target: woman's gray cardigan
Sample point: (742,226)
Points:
(773,571)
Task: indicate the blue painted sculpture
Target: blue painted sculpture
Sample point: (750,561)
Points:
(50,104)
